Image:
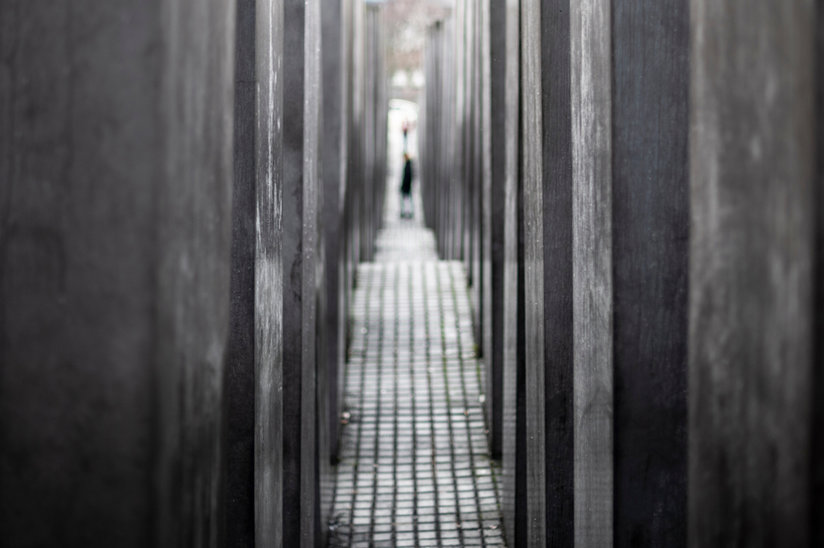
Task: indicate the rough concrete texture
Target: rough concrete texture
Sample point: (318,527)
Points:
(591,107)
(557,316)
(513,481)
(650,223)
(253,462)
(301,61)
(752,162)
(331,304)
(533,268)
(270,273)
(114,254)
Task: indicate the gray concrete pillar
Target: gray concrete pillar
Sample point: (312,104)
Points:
(367,135)
(592,283)
(240,387)
(350,181)
(752,282)
(430,135)
(301,62)
(356,183)
(493,199)
(114,271)
(514,486)
(255,419)
(474,178)
(548,236)
(333,165)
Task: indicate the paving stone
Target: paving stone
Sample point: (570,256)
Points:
(415,468)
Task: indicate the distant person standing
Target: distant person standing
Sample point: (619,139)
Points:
(405,129)
(406,189)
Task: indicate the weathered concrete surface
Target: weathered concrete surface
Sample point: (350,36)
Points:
(650,224)
(591,107)
(331,302)
(254,410)
(114,270)
(301,61)
(548,222)
(533,267)
(752,162)
(513,492)
(556,205)
(270,276)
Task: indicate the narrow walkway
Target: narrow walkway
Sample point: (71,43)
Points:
(415,467)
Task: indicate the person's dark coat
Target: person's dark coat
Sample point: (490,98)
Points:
(406,184)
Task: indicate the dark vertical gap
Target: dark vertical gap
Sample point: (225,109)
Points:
(817,460)
(520,362)
(238,496)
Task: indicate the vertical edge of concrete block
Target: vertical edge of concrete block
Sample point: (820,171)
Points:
(331,159)
(650,215)
(591,84)
(310,282)
(557,210)
(532,181)
(513,492)
(301,62)
(269,274)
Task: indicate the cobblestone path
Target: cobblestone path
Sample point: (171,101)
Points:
(415,467)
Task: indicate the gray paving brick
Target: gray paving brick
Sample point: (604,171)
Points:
(414,464)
